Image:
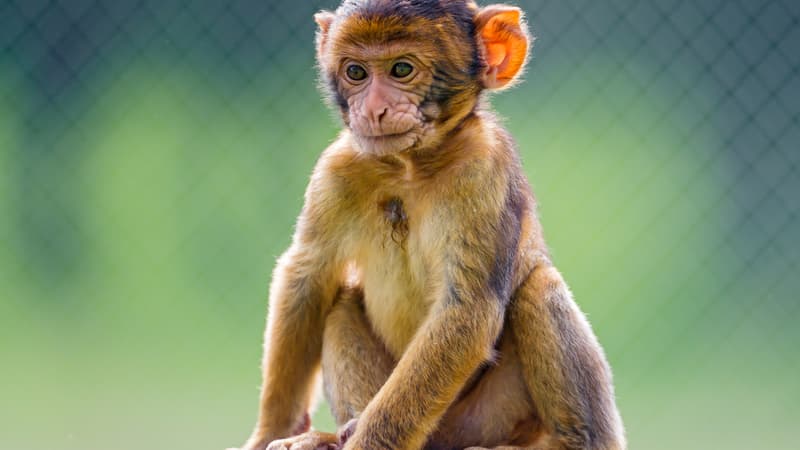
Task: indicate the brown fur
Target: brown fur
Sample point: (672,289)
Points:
(418,279)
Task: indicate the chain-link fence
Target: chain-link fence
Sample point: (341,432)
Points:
(153,156)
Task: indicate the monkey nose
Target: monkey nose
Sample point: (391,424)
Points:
(376,110)
(375,104)
(378,114)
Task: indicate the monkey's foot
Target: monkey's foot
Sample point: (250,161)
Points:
(312,440)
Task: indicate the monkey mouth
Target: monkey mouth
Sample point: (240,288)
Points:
(384,136)
(387,143)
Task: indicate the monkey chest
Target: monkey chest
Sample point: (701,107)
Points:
(395,275)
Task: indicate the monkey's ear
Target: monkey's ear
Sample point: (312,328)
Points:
(504,40)
(324,20)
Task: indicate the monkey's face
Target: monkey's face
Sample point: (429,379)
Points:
(387,110)
(402,73)
(405,73)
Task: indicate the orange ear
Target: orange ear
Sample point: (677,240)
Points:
(324,20)
(505,44)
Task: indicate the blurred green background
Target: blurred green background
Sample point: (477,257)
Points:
(153,157)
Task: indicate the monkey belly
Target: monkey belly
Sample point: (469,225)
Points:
(495,410)
(395,305)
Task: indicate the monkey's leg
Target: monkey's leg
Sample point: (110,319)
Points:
(564,366)
(355,363)
(301,294)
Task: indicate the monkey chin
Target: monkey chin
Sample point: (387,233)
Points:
(387,144)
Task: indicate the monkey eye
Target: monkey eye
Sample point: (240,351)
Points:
(402,70)
(356,72)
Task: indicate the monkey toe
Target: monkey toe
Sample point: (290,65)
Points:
(312,440)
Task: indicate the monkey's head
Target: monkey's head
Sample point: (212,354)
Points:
(405,73)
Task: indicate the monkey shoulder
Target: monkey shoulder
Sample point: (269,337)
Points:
(490,199)
(324,208)
(488,171)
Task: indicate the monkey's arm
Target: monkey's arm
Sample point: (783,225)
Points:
(437,364)
(303,287)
